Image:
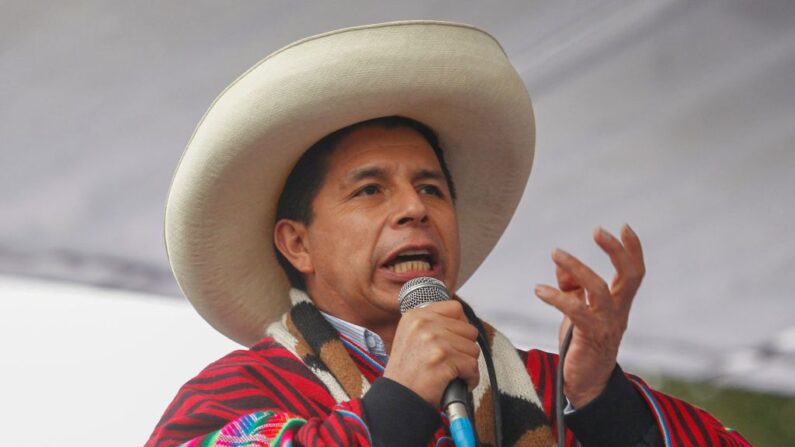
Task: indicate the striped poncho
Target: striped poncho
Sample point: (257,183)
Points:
(304,384)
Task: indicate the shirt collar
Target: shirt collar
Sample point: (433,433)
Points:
(364,338)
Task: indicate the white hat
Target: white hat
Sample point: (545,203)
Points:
(454,78)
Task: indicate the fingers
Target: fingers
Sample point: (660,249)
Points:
(619,257)
(625,254)
(461,329)
(632,244)
(597,289)
(567,302)
(458,339)
(463,357)
(566,281)
(435,327)
(454,344)
(627,258)
(467,369)
(449,308)
(448,315)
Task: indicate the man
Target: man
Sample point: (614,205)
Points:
(347,164)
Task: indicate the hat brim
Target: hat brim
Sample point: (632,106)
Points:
(220,211)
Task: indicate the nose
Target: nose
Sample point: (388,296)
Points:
(410,209)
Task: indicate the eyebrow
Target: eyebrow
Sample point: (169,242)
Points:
(367,172)
(427,174)
(380,173)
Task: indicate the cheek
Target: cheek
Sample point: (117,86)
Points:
(346,248)
(451,240)
(448,222)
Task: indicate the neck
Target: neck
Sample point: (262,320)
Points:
(382,322)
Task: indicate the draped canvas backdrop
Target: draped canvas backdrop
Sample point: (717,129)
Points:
(674,116)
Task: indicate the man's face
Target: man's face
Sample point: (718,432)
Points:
(383,216)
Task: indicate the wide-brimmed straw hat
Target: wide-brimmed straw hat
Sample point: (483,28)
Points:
(454,78)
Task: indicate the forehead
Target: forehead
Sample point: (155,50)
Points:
(390,148)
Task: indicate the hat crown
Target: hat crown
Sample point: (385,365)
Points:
(220,212)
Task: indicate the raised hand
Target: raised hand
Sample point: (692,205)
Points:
(599,312)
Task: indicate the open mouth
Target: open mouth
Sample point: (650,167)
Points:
(411,261)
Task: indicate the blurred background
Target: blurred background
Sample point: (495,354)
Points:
(675,116)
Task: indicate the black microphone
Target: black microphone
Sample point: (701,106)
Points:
(420,292)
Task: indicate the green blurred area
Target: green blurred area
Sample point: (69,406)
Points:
(764,419)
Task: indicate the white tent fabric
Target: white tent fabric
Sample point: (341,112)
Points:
(88,366)
(674,116)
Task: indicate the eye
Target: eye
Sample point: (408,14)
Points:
(431,189)
(369,190)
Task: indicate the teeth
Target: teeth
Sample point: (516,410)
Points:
(410,266)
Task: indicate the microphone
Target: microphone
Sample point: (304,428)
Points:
(420,292)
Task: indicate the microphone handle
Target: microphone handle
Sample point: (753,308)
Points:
(454,402)
(456,391)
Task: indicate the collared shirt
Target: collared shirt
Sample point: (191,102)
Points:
(364,338)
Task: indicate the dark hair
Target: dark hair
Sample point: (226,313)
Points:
(309,173)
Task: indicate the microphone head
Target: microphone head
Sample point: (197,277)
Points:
(421,291)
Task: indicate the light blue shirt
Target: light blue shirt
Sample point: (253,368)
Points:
(364,338)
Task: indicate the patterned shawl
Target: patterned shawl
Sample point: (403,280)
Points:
(305,333)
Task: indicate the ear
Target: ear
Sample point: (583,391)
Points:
(290,238)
